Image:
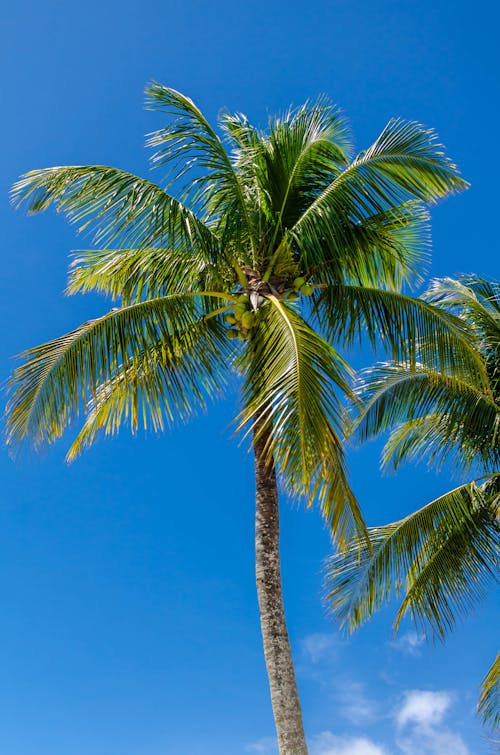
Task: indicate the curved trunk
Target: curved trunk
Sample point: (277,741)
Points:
(278,656)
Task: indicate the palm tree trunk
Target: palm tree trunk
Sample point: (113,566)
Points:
(277,653)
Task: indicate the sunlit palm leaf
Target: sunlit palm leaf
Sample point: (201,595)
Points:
(405,163)
(122,209)
(59,378)
(290,382)
(393,394)
(190,142)
(440,559)
(160,387)
(146,273)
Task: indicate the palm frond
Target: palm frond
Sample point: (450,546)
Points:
(409,329)
(477,302)
(384,251)
(190,142)
(120,207)
(439,558)
(290,381)
(305,150)
(405,163)
(64,377)
(160,387)
(145,273)
(391,394)
(489,701)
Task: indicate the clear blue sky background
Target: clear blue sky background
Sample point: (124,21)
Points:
(128,612)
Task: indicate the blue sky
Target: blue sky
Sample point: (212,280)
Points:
(129,618)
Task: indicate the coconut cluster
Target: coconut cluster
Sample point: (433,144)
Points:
(242,318)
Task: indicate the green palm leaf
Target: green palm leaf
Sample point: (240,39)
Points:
(59,378)
(290,382)
(189,142)
(400,397)
(405,163)
(407,328)
(440,558)
(122,208)
(489,702)
(146,273)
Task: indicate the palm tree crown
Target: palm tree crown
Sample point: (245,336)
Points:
(442,557)
(277,244)
(282,213)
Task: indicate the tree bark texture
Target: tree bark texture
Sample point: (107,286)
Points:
(277,653)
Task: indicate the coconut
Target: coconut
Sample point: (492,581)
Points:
(247,319)
(298,283)
(231,319)
(232,334)
(239,311)
(306,289)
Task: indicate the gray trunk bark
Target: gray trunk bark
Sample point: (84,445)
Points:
(278,656)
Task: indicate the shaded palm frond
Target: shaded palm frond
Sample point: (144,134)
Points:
(405,163)
(409,329)
(291,375)
(433,441)
(440,559)
(58,379)
(477,302)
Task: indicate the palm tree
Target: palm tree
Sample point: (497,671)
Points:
(441,558)
(271,250)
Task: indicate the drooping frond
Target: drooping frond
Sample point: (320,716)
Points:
(440,559)
(63,378)
(291,375)
(146,273)
(158,388)
(432,440)
(400,398)
(188,142)
(489,701)
(405,163)
(409,329)
(121,209)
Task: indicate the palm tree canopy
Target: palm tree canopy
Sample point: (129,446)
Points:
(441,558)
(275,242)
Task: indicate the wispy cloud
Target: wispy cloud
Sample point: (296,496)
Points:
(320,646)
(327,743)
(408,643)
(264,746)
(353,702)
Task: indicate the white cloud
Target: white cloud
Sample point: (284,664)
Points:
(408,643)
(264,746)
(316,647)
(423,708)
(327,743)
(420,723)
